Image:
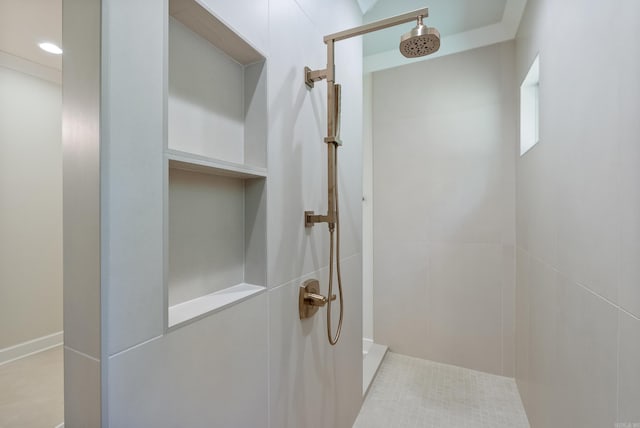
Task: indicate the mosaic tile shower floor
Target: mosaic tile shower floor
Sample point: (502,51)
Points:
(413,393)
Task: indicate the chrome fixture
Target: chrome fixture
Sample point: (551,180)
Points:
(420,41)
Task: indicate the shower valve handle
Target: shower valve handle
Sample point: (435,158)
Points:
(314,299)
(310,299)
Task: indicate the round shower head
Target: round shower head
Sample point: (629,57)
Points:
(420,41)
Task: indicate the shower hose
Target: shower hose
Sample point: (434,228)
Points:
(334,339)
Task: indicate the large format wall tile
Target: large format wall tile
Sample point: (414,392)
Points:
(543,342)
(522,323)
(464,306)
(629,111)
(577,215)
(301,358)
(508,268)
(400,305)
(629,370)
(297,152)
(81,177)
(588,340)
(207,373)
(131,167)
(82,385)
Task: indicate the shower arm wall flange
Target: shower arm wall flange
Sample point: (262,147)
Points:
(311,218)
(312,76)
(333,102)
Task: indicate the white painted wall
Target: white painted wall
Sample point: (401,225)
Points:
(254,364)
(578,218)
(443,182)
(30,208)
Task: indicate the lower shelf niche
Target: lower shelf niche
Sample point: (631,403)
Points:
(216,242)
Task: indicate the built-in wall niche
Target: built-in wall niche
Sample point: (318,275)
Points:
(216,166)
(217,89)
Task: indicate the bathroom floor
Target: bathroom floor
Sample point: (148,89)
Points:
(31,391)
(409,392)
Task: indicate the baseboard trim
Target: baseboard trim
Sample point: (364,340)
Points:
(30,347)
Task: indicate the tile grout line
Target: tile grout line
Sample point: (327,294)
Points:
(310,274)
(616,306)
(137,345)
(75,351)
(571,281)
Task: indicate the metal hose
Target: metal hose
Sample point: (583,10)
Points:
(333,340)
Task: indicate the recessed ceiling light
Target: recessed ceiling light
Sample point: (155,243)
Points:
(50,47)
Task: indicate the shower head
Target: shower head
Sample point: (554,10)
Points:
(420,41)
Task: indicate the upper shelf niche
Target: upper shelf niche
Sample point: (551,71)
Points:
(217,89)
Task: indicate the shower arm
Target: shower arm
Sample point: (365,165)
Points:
(333,102)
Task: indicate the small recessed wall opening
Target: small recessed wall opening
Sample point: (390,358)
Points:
(530,108)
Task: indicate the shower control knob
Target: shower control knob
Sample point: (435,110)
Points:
(310,298)
(314,299)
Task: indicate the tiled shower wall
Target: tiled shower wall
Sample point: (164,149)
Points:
(578,217)
(254,364)
(443,208)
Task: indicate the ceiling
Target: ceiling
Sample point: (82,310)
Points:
(449,16)
(463,25)
(25,23)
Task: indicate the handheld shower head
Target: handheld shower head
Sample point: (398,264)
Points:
(420,41)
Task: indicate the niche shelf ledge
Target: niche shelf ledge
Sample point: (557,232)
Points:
(195,15)
(209,303)
(196,163)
